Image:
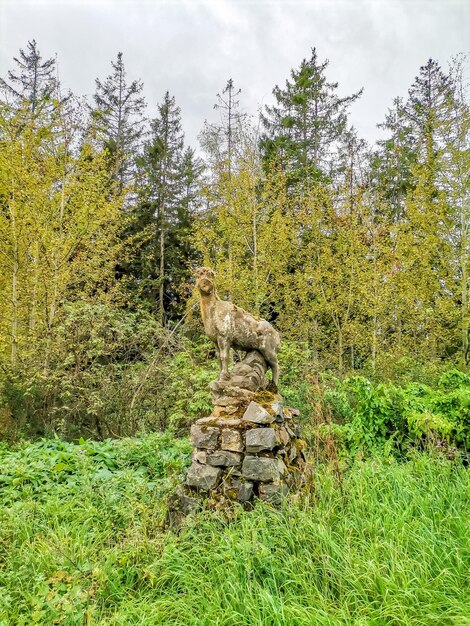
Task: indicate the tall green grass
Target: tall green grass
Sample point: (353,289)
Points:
(390,545)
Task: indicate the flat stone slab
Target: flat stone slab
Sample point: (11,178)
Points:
(264,469)
(231,440)
(290,432)
(237,489)
(204,436)
(258,439)
(278,410)
(220,422)
(203,476)
(224,458)
(292,454)
(257,414)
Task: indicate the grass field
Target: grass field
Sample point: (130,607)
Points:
(81,542)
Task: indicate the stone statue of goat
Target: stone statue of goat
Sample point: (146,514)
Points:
(229,326)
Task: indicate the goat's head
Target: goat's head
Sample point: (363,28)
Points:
(205,280)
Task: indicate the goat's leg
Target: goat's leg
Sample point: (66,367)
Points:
(219,360)
(271,358)
(224,352)
(275,370)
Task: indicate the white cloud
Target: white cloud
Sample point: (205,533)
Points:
(192,48)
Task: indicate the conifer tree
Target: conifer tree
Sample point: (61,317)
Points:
(306,121)
(169,179)
(223,142)
(33,88)
(455,177)
(393,161)
(118,119)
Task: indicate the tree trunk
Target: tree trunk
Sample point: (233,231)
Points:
(14,288)
(340,350)
(161,291)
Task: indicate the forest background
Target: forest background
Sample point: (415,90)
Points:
(358,254)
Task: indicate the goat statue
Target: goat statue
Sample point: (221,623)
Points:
(229,326)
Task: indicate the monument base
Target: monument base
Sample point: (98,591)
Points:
(258,455)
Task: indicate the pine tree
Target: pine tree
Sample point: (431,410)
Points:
(306,121)
(455,177)
(118,119)
(349,172)
(33,87)
(393,161)
(223,143)
(428,107)
(162,220)
(428,217)
(180,253)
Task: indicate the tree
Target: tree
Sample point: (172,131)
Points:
(169,179)
(117,117)
(393,161)
(250,241)
(58,230)
(455,177)
(223,143)
(34,81)
(306,121)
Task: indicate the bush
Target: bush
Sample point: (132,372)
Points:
(109,372)
(375,416)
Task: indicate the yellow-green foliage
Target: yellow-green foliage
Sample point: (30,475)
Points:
(58,227)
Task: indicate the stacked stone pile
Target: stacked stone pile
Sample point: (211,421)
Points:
(259,454)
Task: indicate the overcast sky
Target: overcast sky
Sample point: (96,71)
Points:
(192,47)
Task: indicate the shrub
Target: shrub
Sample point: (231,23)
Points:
(379,415)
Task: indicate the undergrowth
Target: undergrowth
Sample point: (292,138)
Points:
(82,542)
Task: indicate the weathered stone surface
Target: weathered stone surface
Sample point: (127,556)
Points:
(290,432)
(204,436)
(258,439)
(220,422)
(292,454)
(224,458)
(180,504)
(237,489)
(245,382)
(224,410)
(263,469)
(273,492)
(231,422)
(245,491)
(189,504)
(278,410)
(225,394)
(231,440)
(283,436)
(257,414)
(227,325)
(199,455)
(203,476)
(207,421)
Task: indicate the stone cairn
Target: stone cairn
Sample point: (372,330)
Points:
(249,447)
